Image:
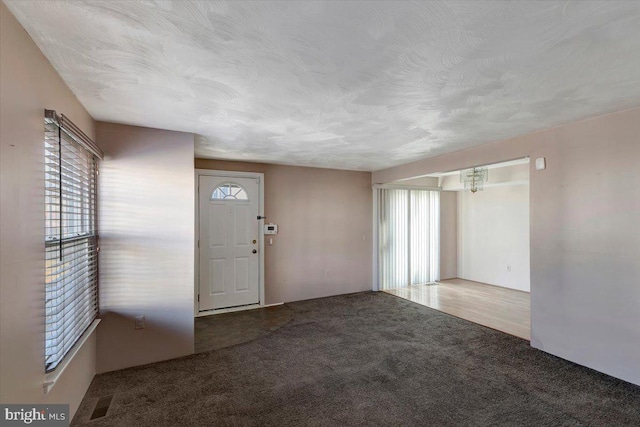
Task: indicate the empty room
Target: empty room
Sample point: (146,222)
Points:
(304,213)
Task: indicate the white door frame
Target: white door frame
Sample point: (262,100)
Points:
(196,287)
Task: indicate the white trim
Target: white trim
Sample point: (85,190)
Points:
(460,189)
(498,164)
(500,184)
(52,377)
(235,309)
(406,187)
(230,174)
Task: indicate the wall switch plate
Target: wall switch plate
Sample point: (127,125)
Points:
(271,229)
(541,164)
(139,322)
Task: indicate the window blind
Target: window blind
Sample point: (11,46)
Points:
(71,236)
(408,237)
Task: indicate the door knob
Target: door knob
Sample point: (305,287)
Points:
(254,251)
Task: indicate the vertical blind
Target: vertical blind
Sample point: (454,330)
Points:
(71,236)
(408,237)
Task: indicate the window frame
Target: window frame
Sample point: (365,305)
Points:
(71,241)
(230,197)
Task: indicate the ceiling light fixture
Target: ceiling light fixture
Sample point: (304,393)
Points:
(474,178)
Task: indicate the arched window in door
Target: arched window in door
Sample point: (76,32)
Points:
(229,191)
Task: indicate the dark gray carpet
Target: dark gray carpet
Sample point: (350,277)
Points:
(228,329)
(366,359)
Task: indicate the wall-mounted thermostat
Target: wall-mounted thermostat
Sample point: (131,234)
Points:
(271,229)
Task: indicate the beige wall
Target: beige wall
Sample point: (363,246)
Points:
(448,235)
(324,216)
(493,236)
(146,194)
(585,244)
(28,85)
(425,181)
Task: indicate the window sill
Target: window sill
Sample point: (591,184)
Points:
(51,378)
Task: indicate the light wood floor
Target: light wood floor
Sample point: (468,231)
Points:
(506,310)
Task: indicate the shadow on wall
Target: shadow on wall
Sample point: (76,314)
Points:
(146,221)
(128,346)
(139,276)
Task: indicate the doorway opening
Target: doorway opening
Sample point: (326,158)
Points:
(482,241)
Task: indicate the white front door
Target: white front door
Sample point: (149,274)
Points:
(229,231)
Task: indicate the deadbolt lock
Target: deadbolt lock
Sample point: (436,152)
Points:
(255,241)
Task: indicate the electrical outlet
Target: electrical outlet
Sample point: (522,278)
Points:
(509,268)
(139,322)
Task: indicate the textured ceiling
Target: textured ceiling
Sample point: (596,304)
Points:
(353,85)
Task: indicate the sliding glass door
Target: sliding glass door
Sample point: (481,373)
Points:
(408,237)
